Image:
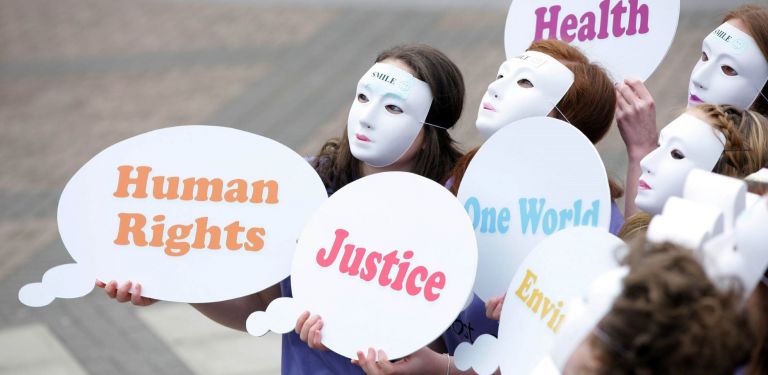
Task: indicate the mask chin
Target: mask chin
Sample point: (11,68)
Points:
(378,158)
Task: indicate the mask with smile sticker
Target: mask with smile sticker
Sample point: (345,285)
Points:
(732,69)
(388,112)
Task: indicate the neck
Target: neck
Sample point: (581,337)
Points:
(398,166)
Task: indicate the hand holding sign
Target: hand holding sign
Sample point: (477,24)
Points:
(388,262)
(561,267)
(195,213)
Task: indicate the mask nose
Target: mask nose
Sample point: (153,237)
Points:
(494,90)
(700,74)
(649,162)
(367,116)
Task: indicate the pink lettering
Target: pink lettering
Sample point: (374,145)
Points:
(435,281)
(341,234)
(351,269)
(402,270)
(550,25)
(617,12)
(356,261)
(410,285)
(586,27)
(569,24)
(634,12)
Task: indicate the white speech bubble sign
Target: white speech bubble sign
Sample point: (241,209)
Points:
(194,213)
(532,178)
(560,268)
(628,38)
(344,267)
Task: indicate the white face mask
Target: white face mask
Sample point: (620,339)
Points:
(732,69)
(528,85)
(686,143)
(387,114)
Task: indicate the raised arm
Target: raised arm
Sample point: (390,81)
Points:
(636,118)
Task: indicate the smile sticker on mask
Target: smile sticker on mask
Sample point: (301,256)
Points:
(388,112)
(528,85)
(732,69)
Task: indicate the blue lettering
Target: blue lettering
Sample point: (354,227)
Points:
(550,221)
(489,219)
(590,216)
(504,216)
(530,216)
(472,206)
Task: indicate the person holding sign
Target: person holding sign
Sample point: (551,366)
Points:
(527,87)
(587,104)
(733,69)
(551,78)
(721,139)
(398,121)
(668,318)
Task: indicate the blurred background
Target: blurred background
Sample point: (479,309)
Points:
(77,76)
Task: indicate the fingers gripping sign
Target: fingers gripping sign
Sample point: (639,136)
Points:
(369,266)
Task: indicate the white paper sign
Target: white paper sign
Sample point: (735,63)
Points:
(193,213)
(531,179)
(628,38)
(388,262)
(536,305)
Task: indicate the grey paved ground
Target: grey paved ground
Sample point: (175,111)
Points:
(79,75)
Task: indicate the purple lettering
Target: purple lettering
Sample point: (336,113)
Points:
(634,12)
(550,25)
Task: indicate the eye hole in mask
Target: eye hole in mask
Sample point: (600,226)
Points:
(525,83)
(677,154)
(362,98)
(729,71)
(393,109)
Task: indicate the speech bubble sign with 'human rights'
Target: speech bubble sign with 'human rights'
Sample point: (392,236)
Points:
(193,213)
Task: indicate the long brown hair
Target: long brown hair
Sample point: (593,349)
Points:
(670,318)
(337,166)
(589,104)
(755,19)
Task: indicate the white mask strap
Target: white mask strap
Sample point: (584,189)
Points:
(563,114)
(433,125)
(764,98)
(605,339)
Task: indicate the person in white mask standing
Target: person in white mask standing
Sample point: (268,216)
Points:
(401,111)
(550,79)
(732,69)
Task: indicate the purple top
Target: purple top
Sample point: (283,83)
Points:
(472,322)
(298,358)
(617,219)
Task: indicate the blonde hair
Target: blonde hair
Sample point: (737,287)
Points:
(745,152)
(746,138)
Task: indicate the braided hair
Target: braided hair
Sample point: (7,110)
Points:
(746,139)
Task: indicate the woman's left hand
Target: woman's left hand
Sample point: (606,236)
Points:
(423,361)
